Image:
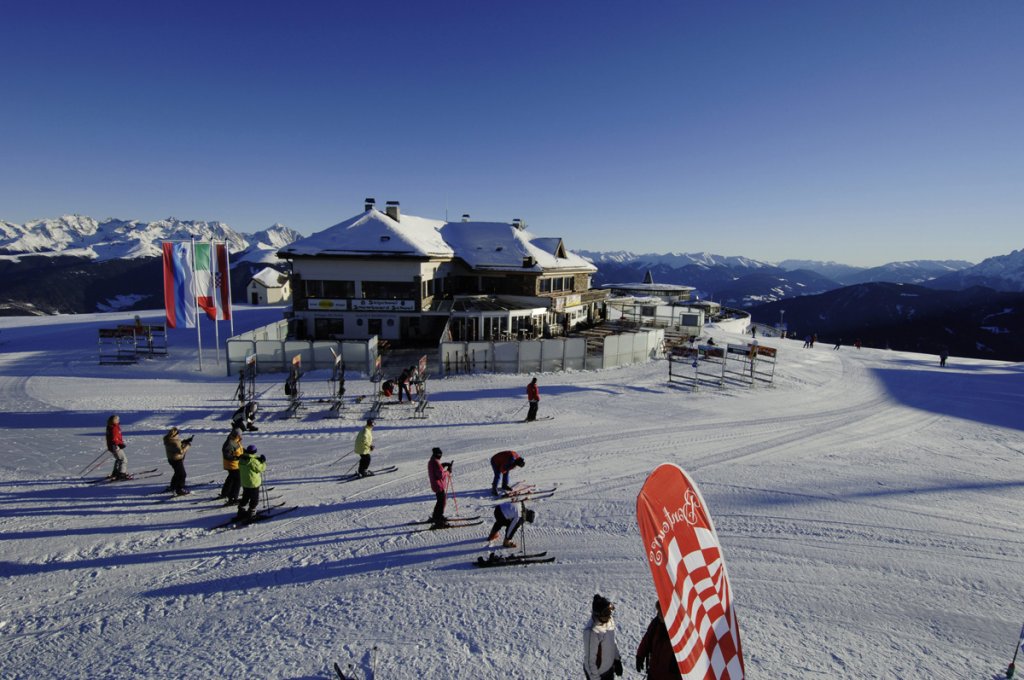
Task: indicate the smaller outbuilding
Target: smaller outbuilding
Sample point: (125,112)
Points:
(269,287)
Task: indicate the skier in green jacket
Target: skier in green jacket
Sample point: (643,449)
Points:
(250,469)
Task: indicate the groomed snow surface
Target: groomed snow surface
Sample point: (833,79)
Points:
(868,504)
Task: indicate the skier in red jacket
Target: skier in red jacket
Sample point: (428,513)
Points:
(502,463)
(533,396)
(439,474)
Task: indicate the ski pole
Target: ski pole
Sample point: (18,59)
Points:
(93,465)
(451,486)
(266,495)
(1020,642)
(344,457)
(513,415)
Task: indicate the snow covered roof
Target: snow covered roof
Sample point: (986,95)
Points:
(374,233)
(270,277)
(502,246)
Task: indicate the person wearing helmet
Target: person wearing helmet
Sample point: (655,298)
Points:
(507,515)
(251,470)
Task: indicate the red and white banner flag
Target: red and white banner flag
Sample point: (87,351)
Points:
(689,574)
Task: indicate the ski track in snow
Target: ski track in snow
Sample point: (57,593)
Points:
(867,503)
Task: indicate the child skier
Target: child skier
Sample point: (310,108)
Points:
(115,444)
(175,447)
(251,472)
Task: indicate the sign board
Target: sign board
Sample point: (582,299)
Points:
(383,305)
(316,303)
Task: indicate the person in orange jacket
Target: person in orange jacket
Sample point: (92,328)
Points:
(533,396)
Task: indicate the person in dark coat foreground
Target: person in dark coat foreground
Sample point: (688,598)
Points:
(655,651)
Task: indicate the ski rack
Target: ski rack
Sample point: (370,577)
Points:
(700,365)
(246,390)
(293,388)
(126,343)
(750,364)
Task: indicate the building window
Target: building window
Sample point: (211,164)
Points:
(314,288)
(545,285)
(339,290)
(389,290)
(328,329)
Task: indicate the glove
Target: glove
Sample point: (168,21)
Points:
(447,466)
(640,664)
(120,446)
(188,440)
(617,667)
(262,459)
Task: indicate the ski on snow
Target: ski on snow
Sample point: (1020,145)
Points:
(373,473)
(540,418)
(450,520)
(495,560)
(142,474)
(258,517)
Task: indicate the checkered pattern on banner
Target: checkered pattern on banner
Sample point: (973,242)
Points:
(701,619)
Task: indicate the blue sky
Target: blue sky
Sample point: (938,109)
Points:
(861,132)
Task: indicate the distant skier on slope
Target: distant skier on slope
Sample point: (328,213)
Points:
(251,470)
(363,447)
(601,659)
(533,396)
(116,446)
(439,475)
(507,515)
(502,463)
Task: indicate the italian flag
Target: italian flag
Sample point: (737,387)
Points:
(213,290)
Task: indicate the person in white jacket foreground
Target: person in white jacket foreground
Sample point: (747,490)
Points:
(601,659)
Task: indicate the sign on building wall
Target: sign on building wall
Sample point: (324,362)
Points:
(383,305)
(315,303)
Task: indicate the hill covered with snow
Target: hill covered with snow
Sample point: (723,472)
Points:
(868,506)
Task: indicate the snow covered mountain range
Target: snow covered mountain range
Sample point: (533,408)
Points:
(38,259)
(114,239)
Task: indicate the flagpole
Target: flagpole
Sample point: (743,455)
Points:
(227,261)
(216,302)
(195,305)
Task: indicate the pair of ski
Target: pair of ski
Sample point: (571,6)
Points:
(261,516)
(174,496)
(230,504)
(373,473)
(142,474)
(496,560)
(221,498)
(539,419)
(450,523)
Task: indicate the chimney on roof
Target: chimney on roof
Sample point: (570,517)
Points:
(465,217)
(370,203)
(393,211)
